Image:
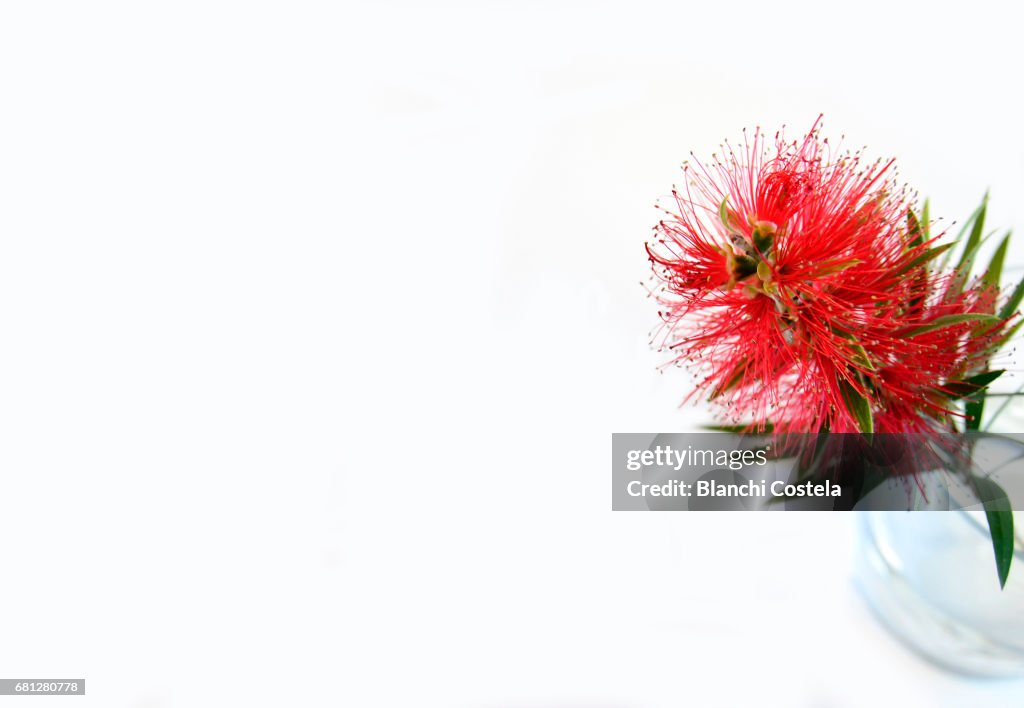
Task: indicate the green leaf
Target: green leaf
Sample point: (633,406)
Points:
(1010,306)
(858,406)
(985,377)
(914,229)
(995,267)
(973,411)
(924,258)
(975,405)
(948,321)
(860,354)
(976,223)
(1006,336)
(723,214)
(972,384)
(830,267)
(1000,523)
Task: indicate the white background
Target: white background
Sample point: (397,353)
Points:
(316,319)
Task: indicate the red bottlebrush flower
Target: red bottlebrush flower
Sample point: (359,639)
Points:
(794,283)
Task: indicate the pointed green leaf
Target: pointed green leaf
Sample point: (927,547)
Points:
(830,267)
(1007,335)
(1011,305)
(972,384)
(858,406)
(973,411)
(924,258)
(914,229)
(1000,523)
(975,224)
(974,239)
(949,321)
(860,354)
(723,214)
(985,377)
(995,267)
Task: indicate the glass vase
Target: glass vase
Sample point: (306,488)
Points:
(930,577)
